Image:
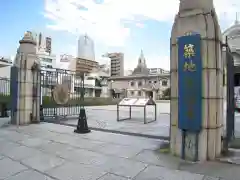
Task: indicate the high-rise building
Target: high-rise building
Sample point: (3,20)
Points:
(85,48)
(117,63)
(44,50)
(44,43)
(47,61)
(85,60)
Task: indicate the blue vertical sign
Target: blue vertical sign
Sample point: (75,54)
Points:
(189,83)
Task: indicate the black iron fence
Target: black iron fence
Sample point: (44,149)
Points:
(4,97)
(49,106)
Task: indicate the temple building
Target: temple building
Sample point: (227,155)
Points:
(232,35)
(140,83)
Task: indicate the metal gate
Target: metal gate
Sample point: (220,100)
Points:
(61,94)
(230,101)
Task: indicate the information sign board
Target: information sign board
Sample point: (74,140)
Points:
(190,83)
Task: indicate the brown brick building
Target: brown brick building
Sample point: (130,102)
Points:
(83,65)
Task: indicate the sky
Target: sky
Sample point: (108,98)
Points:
(115,26)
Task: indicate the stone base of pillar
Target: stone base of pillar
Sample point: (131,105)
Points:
(206,147)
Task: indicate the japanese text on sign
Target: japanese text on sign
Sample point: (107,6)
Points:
(190,83)
(189,53)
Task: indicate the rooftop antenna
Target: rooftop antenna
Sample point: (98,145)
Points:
(236,20)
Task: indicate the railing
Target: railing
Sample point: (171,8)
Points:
(4,96)
(4,86)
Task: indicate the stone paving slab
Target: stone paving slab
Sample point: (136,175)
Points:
(10,168)
(28,174)
(162,173)
(75,171)
(110,176)
(56,156)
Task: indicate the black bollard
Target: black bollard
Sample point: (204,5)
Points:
(4,110)
(41,113)
(82,126)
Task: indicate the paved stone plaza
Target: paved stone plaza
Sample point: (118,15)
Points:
(104,118)
(50,151)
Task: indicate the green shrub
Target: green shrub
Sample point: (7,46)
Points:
(167,92)
(48,102)
(165,98)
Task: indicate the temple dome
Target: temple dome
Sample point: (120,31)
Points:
(141,68)
(233,36)
(232,31)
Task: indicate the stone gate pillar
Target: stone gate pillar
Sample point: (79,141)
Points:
(196,17)
(25,83)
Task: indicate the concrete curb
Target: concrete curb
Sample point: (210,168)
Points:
(165,138)
(162,101)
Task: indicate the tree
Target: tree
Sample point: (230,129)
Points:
(167,92)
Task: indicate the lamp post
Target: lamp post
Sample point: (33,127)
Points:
(110,89)
(82,126)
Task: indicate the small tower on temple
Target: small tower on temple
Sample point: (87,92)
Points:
(236,20)
(141,66)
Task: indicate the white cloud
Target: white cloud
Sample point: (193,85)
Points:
(108,21)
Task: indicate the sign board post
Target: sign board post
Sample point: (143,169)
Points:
(190,93)
(190,83)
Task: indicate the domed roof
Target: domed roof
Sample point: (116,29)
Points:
(233,30)
(141,66)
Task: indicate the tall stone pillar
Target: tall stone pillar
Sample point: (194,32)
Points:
(25,83)
(197,17)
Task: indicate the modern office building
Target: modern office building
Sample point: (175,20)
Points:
(117,63)
(85,60)
(47,61)
(85,48)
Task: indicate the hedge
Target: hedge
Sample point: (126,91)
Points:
(48,101)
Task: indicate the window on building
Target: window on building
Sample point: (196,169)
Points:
(155,82)
(139,93)
(132,93)
(49,60)
(132,83)
(49,66)
(164,83)
(149,82)
(140,83)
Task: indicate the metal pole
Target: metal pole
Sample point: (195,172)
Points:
(130,112)
(145,115)
(117,112)
(82,126)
